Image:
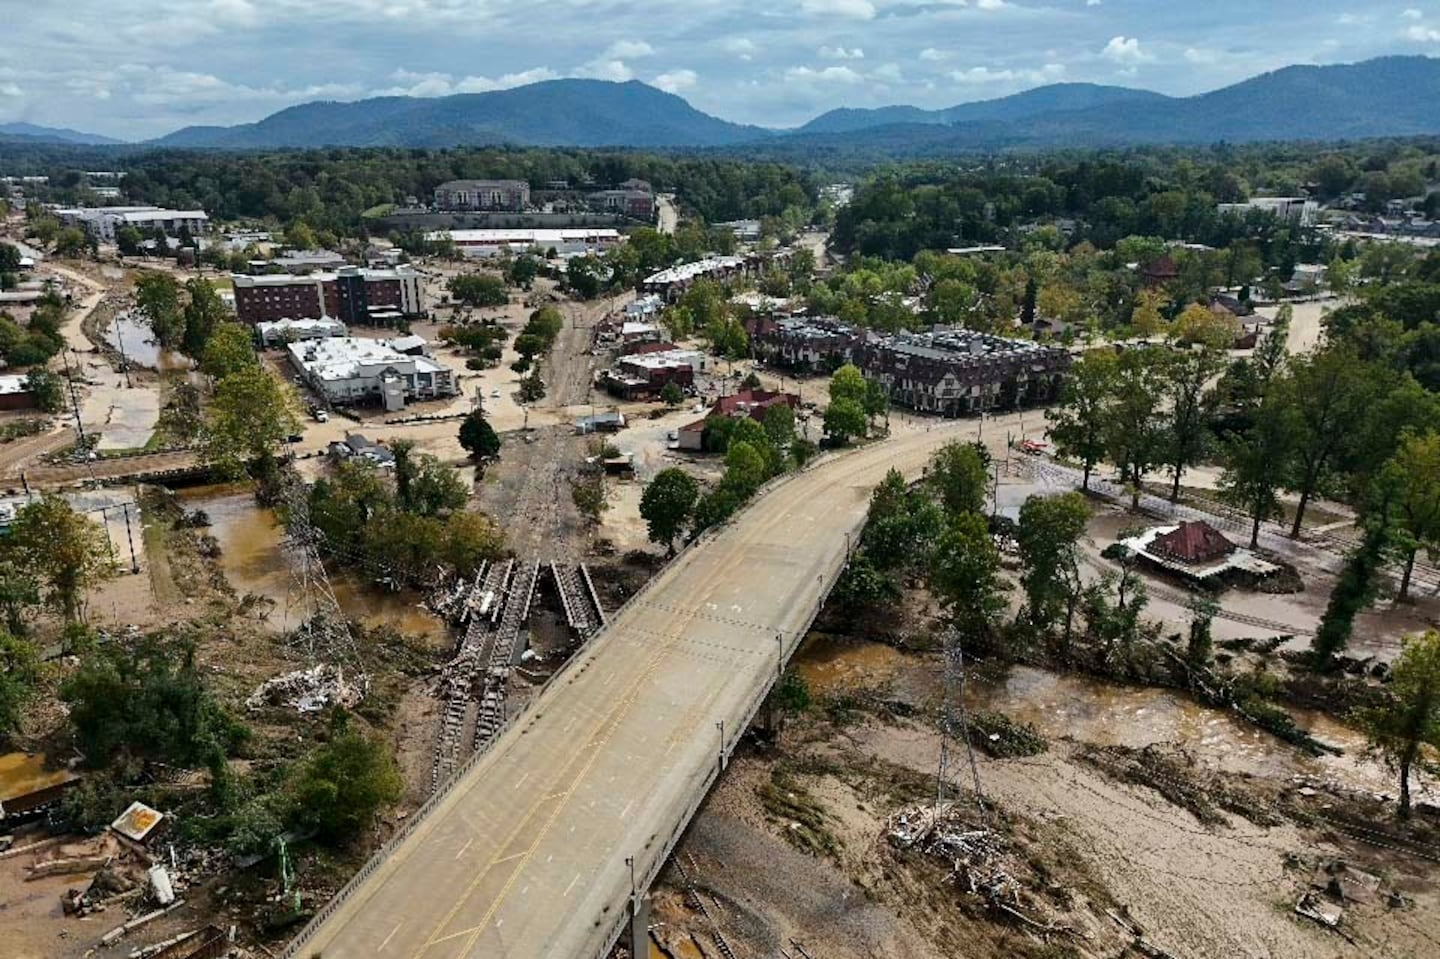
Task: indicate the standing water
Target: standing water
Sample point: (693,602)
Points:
(253,559)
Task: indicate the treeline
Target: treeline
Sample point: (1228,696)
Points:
(330,189)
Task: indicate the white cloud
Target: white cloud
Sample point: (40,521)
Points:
(932,55)
(742,47)
(676,80)
(842,53)
(606,70)
(1413,14)
(1125,50)
(991,4)
(854,9)
(827,75)
(1423,34)
(11,90)
(1092,3)
(888,73)
(978,76)
(627,50)
(410,84)
(1201,56)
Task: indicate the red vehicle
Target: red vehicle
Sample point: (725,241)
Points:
(1034,448)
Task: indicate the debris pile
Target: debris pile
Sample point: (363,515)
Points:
(1004,738)
(1174,773)
(981,862)
(1334,885)
(308,690)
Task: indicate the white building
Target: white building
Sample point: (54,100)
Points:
(280,332)
(105,221)
(1296,209)
(488,243)
(347,370)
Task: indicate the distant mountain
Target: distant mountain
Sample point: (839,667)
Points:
(1055,98)
(54,135)
(1389,96)
(586,113)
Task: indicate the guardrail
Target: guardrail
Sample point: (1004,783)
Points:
(382,855)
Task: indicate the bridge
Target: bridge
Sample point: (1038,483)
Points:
(539,843)
(157,467)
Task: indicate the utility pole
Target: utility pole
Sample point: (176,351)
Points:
(134,563)
(74,399)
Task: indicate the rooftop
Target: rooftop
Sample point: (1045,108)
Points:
(689,271)
(351,357)
(523,237)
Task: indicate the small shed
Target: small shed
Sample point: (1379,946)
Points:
(1193,542)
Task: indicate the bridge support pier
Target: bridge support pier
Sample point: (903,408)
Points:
(640,926)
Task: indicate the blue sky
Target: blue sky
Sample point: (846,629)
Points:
(139,68)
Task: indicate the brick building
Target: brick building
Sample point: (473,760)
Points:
(960,371)
(804,343)
(463,195)
(354,296)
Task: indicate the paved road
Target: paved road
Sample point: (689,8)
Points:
(525,857)
(120,467)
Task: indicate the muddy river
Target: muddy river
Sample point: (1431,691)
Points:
(253,559)
(1088,710)
(132,337)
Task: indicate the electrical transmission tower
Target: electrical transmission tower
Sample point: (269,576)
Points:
(955,727)
(323,634)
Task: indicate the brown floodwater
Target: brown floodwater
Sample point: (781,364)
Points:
(1061,705)
(253,559)
(131,335)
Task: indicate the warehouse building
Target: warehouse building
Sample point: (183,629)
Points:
(349,370)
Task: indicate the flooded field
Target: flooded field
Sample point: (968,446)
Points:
(132,337)
(252,556)
(1089,710)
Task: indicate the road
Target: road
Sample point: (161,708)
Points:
(526,855)
(667,217)
(120,467)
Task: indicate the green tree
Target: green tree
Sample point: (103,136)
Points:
(1134,428)
(844,419)
(745,468)
(1354,591)
(128,240)
(299,236)
(158,297)
(478,437)
(590,496)
(204,313)
(1048,536)
(779,424)
(667,505)
(1409,720)
(671,394)
(532,387)
(523,271)
(18,589)
(1257,462)
(71,242)
(848,383)
(470,541)
(958,474)
(344,784)
(1190,409)
(1414,472)
(47,390)
(479,290)
(250,416)
(966,577)
(65,551)
(19,673)
(229,348)
(1078,424)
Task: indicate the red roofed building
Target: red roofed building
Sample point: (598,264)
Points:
(1160,272)
(1193,542)
(751,403)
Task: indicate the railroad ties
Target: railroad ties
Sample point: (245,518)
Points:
(503,654)
(578,598)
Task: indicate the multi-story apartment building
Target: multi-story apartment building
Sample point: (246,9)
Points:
(103,222)
(461,195)
(960,371)
(352,295)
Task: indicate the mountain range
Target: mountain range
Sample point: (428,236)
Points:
(1388,96)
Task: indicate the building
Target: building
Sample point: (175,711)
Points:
(1192,542)
(752,403)
(355,446)
(354,296)
(636,204)
(280,332)
(961,371)
(635,332)
(805,343)
(104,222)
(349,370)
(28,786)
(466,195)
(671,284)
(1159,272)
(1196,551)
(1295,209)
(15,393)
(611,421)
(488,243)
(646,374)
(746,231)
(301,261)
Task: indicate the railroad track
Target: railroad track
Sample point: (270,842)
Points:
(578,598)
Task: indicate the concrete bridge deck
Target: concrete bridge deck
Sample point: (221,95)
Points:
(525,857)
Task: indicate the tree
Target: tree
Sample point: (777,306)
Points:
(1187,378)
(65,551)
(1048,536)
(590,496)
(779,424)
(345,783)
(478,290)
(1355,589)
(585,276)
(671,394)
(523,271)
(667,504)
(1199,325)
(1414,472)
(46,389)
(158,297)
(958,474)
(431,488)
(967,577)
(71,242)
(1332,392)
(204,312)
(1134,430)
(1078,423)
(1409,719)
(1200,643)
(299,236)
(229,348)
(745,468)
(844,419)
(532,387)
(19,672)
(250,416)
(1257,463)
(478,437)
(902,527)
(128,240)
(470,540)
(848,383)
